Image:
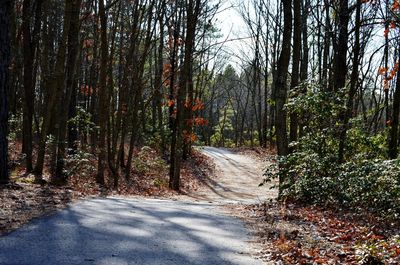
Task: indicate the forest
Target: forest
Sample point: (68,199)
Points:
(89,88)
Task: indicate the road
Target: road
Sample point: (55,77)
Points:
(238,179)
(119,231)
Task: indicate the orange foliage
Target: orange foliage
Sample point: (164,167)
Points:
(189,137)
(200,121)
(86,90)
(170,103)
(386,32)
(88,43)
(396,5)
(385,84)
(199,105)
(382,70)
(167,69)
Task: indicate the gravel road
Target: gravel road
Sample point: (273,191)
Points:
(119,231)
(238,179)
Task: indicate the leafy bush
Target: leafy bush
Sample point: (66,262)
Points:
(80,163)
(148,161)
(313,174)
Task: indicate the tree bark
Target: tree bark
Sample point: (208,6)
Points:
(394,129)
(193,11)
(54,86)
(73,51)
(353,81)
(5,9)
(340,57)
(281,81)
(295,66)
(103,95)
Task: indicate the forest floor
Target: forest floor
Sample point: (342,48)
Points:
(283,233)
(22,200)
(292,233)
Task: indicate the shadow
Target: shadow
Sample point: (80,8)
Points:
(240,168)
(129,231)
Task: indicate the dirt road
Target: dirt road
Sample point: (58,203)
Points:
(130,231)
(238,178)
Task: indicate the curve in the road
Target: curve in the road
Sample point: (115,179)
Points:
(238,179)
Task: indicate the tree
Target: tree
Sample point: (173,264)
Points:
(30,42)
(103,94)
(297,31)
(281,81)
(5,9)
(185,85)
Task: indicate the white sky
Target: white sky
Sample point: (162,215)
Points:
(232,26)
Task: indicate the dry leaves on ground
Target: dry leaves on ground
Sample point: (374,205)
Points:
(20,203)
(311,235)
(22,200)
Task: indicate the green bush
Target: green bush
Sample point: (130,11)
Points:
(148,161)
(80,163)
(313,174)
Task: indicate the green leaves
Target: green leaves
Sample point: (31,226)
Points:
(312,173)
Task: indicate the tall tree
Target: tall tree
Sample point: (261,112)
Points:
(5,10)
(54,86)
(281,81)
(30,42)
(297,30)
(103,95)
(347,114)
(340,56)
(185,85)
(70,83)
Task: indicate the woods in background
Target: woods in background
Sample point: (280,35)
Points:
(105,77)
(317,79)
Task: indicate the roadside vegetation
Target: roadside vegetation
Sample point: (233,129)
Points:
(102,97)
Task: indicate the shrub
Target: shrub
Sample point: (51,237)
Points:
(313,174)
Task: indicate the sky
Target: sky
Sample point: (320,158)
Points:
(232,27)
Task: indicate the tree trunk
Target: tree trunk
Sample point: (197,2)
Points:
(70,75)
(281,81)
(5,9)
(193,11)
(295,65)
(394,129)
(54,86)
(340,58)
(305,56)
(103,95)
(354,76)
(28,105)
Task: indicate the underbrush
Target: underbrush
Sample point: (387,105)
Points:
(149,174)
(365,181)
(372,185)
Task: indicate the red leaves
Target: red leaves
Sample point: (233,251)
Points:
(87,90)
(388,76)
(382,70)
(396,5)
(167,67)
(199,121)
(170,102)
(198,105)
(88,43)
(386,32)
(189,137)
